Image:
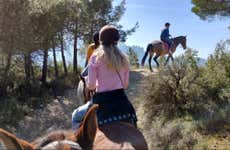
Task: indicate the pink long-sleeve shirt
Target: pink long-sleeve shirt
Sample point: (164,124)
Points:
(101,78)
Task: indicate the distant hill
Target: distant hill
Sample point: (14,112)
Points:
(201,61)
(139,50)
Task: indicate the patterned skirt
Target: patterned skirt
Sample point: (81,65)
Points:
(114,106)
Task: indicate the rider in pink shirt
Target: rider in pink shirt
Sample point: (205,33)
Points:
(103,79)
(108,74)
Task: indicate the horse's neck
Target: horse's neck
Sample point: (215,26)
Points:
(113,136)
(176,42)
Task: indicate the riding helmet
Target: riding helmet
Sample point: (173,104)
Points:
(109,35)
(167,24)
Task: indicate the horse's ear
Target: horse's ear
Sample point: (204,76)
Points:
(87,132)
(10,141)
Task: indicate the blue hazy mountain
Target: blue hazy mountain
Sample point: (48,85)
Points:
(201,61)
(138,50)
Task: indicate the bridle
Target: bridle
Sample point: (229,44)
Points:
(55,145)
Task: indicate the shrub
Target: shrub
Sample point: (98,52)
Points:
(185,89)
(174,90)
(59,85)
(11,112)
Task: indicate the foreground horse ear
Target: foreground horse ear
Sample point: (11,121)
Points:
(10,141)
(87,132)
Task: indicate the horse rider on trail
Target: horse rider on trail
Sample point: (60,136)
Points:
(165,36)
(91,48)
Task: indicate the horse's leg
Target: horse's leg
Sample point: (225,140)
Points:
(172,58)
(167,60)
(150,59)
(155,59)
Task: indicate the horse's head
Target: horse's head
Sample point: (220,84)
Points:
(180,40)
(59,140)
(184,42)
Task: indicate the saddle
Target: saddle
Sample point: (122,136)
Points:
(165,45)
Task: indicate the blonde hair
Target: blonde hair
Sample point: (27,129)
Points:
(114,58)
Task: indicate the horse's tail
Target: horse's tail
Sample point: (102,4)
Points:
(81,92)
(146,54)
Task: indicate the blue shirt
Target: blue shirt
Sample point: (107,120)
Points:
(165,33)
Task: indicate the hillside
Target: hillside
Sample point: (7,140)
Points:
(57,115)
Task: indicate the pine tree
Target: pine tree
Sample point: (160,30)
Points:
(133,58)
(207,9)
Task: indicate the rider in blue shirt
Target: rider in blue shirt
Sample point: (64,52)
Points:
(165,36)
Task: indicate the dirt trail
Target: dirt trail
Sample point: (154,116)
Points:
(139,84)
(57,114)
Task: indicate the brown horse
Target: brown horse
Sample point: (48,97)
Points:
(112,136)
(158,48)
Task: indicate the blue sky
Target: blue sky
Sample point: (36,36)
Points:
(152,14)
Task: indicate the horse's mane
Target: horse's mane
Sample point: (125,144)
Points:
(179,37)
(59,135)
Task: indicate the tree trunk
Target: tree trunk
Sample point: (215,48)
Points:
(8,63)
(91,32)
(75,54)
(55,62)
(63,54)
(4,82)
(2,60)
(27,67)
(32,71)
(44,68)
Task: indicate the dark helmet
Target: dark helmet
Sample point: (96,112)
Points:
(96,37)
(109,35)
(167,24)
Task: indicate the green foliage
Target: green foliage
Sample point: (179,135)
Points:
(217,120)
(186,88)
(30,29)
(207,9)
(11,112)
(97,13)
(185,98)
(60,84)
(133,58)
(175,88)
(217,74)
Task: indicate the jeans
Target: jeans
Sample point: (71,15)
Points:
(79,114)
